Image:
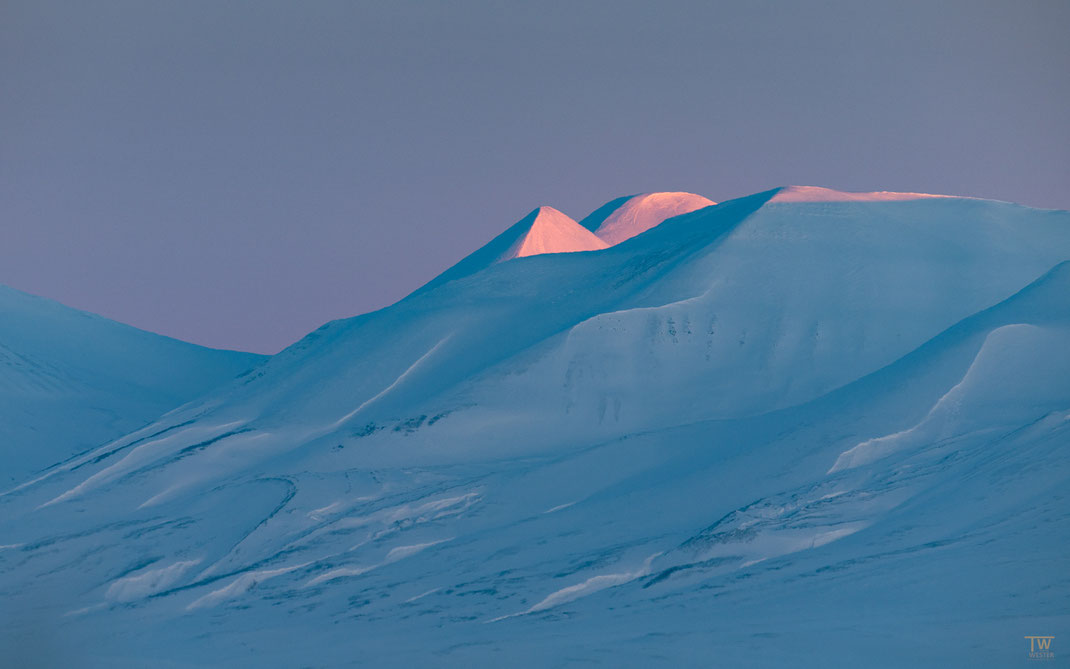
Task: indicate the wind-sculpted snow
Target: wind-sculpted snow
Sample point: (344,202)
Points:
(1014,380)
(147,582)
(762,433)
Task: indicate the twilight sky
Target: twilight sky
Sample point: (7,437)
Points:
(237,173)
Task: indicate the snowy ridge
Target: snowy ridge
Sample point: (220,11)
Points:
(818,194)
(760,419)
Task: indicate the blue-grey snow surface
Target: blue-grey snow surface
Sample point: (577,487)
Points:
(769,432)
(70,380)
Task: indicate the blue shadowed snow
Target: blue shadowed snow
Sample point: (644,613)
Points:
(70,380)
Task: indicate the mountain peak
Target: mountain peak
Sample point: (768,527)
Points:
(547,230)
(627,217)
(543,230)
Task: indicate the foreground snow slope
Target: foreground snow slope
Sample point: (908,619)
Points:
(766,432)
(70,380)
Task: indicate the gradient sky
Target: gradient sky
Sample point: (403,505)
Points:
(237,173)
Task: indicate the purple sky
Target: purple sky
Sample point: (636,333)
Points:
(237,173)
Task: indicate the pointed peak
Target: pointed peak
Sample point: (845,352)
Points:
(542,230)
(627,217)
(550,231)
(547,210)
(819,194)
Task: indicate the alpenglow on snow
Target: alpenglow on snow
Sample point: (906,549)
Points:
(798,428)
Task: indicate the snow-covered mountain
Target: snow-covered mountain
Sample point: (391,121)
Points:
(801,428)
(70,380)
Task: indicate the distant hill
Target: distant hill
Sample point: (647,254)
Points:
(71,380)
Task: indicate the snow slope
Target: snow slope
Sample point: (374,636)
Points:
(70,380)
(762,433)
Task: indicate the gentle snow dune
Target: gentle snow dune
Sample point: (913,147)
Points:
(760,433)
(627,217)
